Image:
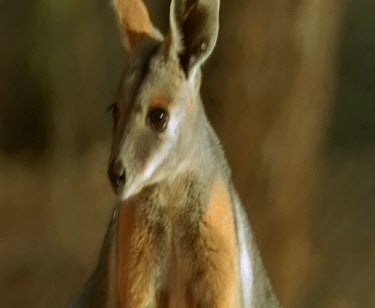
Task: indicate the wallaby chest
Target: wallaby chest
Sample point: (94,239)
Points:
(178,255)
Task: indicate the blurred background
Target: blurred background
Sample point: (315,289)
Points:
(290,89)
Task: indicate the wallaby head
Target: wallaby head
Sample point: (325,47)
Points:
(158,113)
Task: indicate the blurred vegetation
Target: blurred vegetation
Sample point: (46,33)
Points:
(290,90)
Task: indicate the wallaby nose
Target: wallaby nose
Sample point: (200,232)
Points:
(116,173)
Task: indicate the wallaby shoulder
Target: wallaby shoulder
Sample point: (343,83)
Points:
(257,291)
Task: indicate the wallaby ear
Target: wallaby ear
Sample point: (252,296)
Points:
(194,27)
(135,23)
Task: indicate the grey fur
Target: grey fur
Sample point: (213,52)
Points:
(169,174)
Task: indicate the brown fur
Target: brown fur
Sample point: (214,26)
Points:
(136,256)
(215,269)
(167,43)
(203,271)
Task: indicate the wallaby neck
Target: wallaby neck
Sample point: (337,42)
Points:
(205,158)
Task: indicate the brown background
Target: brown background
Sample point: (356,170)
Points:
(290,91)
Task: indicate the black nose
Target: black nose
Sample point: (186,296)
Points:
(116,173)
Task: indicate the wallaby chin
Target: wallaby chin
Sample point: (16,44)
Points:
(179,236)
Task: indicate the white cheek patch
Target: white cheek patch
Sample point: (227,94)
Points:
(167,144)
(144,178)
(156,161)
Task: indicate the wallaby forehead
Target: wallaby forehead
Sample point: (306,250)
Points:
(164,77)
(151,73)
(136,71)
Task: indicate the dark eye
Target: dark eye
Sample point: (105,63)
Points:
(157,119)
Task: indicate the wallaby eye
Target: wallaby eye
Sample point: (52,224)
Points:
(157,119)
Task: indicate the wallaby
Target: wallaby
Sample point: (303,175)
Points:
(179,236)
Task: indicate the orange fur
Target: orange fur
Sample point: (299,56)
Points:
(134,21)
(202,273)
(160,101)
(217,251)
(135,259)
